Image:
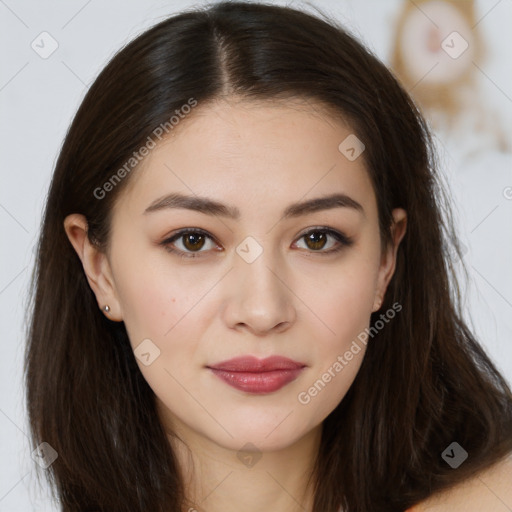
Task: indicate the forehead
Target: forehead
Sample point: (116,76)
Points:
(247,152)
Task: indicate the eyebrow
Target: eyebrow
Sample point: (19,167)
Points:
(212,207)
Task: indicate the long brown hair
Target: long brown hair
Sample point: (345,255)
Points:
(425,381)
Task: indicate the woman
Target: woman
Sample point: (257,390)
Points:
(312,355)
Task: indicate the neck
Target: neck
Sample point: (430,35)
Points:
(219,479)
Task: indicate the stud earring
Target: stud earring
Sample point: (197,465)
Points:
(106,308)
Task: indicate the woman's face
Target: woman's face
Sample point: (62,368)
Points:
(259,283)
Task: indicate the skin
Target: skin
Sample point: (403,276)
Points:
(290,301)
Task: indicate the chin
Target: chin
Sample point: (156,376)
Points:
(266,433)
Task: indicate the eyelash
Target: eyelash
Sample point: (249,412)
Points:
(343,240)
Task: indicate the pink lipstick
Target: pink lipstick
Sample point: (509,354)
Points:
(253,375)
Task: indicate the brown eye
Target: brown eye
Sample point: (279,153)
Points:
(193,241)
(317,239)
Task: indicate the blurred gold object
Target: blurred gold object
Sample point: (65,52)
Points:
(435,53)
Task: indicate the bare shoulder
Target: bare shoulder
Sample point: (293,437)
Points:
(491,490)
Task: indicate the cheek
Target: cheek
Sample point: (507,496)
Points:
(345,308)
(154,302)
(147,304)
(345,301)
(159,316)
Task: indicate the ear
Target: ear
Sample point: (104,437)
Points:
(388,258)
(96,265)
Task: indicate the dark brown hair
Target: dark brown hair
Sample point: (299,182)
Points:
(425,381)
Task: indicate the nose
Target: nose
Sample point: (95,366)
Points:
(259,299)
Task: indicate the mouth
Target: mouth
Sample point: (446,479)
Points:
(257,376)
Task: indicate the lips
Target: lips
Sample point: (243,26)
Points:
(253,364)
(253,375)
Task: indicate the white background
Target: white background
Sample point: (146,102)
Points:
(38,98)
